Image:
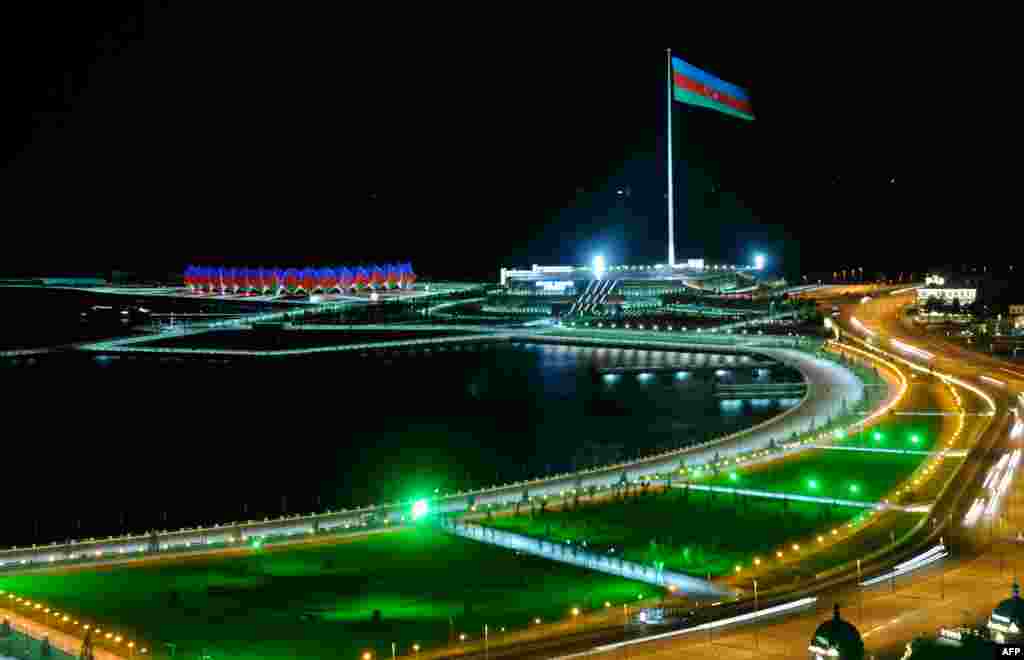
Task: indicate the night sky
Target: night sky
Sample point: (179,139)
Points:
(147,136)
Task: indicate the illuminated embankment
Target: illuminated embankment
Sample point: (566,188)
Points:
(828,384)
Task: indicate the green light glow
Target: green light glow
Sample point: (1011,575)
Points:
(854,488)
(420,508)
(877,436)
(813,484)
(915,438)
(734,476)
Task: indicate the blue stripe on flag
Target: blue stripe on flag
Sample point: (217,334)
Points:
(691,71)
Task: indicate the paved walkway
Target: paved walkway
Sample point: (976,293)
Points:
(860,504)
(576,556)
(64,642)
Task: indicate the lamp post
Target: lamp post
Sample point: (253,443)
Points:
(756,609)
(860,596)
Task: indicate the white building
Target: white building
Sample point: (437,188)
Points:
(1017,316)
(947,293)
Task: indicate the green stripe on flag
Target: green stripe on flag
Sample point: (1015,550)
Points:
(691,98)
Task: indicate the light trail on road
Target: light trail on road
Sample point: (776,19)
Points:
(920,561)
(913,350)
(711,625)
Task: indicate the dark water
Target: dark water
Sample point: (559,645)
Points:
(34,317)
(91,441)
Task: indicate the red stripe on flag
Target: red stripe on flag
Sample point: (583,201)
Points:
(697,87)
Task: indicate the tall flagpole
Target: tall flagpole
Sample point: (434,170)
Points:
(671,205)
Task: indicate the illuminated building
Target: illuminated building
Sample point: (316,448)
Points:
(220,280)
(605,287)
(947,293)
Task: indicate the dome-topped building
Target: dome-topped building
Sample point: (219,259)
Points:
(1007,618)
(836,639)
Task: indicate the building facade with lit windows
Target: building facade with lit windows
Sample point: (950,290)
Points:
(571,289)
(1017,316)
(938,289)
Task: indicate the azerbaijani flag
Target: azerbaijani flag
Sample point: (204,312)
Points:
(696,87)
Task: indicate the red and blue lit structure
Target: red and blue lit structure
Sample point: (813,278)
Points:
(214,279)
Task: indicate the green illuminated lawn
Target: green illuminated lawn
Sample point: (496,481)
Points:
(849,475)
(701,533)
(694,533)
(250,607)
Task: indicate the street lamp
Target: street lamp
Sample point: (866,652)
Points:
(756,609)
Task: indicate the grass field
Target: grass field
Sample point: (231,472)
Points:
(850,475)
(253,606)
(694,532)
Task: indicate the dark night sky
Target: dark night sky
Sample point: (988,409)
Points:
(152,136)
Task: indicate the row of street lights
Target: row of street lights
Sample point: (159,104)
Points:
(575,613)
(38,608)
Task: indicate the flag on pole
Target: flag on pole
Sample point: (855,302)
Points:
(694,86)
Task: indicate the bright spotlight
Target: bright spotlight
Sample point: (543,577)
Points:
(419,509)
(598,264)
(759,261)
